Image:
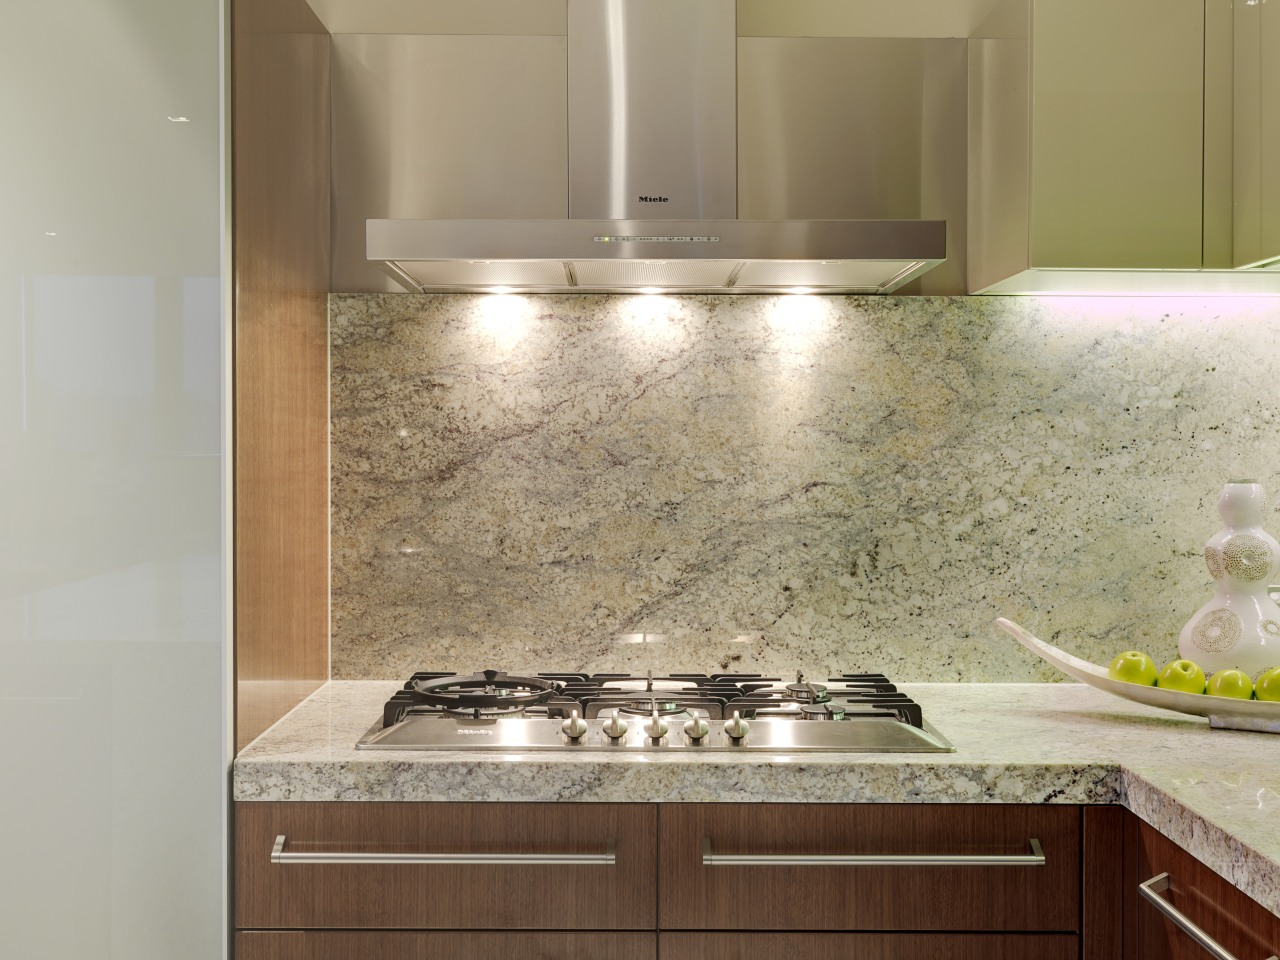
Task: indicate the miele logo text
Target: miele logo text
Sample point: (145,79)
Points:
(653,199)
(474,733)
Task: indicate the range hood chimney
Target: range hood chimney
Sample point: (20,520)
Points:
(652,110)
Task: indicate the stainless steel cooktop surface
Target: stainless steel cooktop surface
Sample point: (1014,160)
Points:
(681,713)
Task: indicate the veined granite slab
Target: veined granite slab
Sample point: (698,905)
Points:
(1215,792)
(845,484)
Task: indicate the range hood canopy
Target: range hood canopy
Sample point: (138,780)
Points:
(653,185)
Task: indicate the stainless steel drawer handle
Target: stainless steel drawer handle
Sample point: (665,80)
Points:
(609,857)
(1151,891)
(1033,859)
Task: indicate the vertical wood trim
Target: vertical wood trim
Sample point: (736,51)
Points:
(280,263)
(1130,903)
(1102,927)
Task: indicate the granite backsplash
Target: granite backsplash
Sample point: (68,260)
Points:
(758,483)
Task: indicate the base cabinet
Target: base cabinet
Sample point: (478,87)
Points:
(1191,891)
(470,945)
(724,881)
(445,866)
(868,946)
(889,867)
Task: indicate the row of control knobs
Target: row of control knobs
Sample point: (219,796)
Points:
(656,728)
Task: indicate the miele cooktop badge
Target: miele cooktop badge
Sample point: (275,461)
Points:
(683,713)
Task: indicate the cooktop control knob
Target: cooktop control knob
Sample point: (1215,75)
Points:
(616,728)
(574,727)
(656,728)
(696,729)
(736,727)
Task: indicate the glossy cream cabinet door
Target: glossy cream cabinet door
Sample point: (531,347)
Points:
(1117,121)
(112,331)
(1257,132)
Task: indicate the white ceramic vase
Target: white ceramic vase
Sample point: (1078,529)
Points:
(1240,626)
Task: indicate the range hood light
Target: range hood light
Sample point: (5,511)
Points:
(800,291)
(502,289)
(651,290)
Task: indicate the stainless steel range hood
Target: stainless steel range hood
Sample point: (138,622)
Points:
(652,130)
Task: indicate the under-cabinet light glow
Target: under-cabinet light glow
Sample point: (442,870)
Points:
(799,326)
(654,317)
(505,318)
(1153,311)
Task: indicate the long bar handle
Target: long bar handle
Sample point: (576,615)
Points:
(1033,859)
(609,857)
(1151,891)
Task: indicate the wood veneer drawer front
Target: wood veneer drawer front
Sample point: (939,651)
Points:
(404,945)
(1241,925)
(520,886)
(869,946)
(791,888)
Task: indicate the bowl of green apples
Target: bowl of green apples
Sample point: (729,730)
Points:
(1229,699)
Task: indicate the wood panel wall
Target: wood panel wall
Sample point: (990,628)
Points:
(280,254)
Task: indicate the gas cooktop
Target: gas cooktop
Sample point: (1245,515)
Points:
(686,713)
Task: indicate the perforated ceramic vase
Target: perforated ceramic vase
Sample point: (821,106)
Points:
(1240,626)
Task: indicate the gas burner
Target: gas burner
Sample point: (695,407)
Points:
(689,712)
(646,708)
(483,713)
(821,711)
(491,691)
(807,692)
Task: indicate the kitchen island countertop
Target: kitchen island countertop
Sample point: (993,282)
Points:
(1214,792)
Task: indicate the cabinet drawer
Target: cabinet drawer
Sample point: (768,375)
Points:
(902,867)
(868,946)
(403,945)
(1241,925)
(500,866)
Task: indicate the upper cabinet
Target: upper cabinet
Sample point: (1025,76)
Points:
(1256,221)
(1119,147)
(1116,121)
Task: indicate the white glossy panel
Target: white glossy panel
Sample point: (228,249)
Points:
(112,331)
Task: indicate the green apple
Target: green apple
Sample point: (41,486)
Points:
(1181,675)
(1268,685)
(1231,683)
(1133,666)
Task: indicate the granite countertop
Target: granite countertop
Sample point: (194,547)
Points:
(1214,792)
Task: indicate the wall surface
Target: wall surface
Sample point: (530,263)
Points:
(772,484)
